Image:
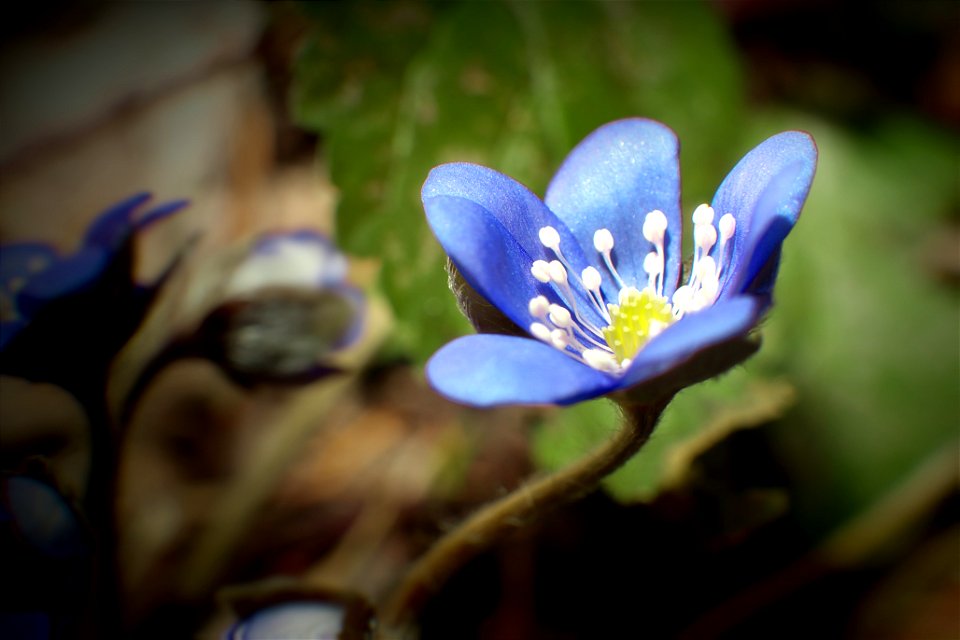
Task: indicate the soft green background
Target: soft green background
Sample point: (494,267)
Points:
(858,379)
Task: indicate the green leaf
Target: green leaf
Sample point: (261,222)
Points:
(397,88)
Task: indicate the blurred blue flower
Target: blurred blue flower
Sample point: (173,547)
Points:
(304,620)
(46,551)
(42,518)
(300,258)
(284,311)
(34,274)
(63,317)
(287,309)
(592,272)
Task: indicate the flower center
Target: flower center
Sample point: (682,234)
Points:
(639,314)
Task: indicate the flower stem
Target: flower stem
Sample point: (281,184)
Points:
(498,519)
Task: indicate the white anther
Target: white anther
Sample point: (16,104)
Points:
(600,360)
(539,307)
(625,364)
(654,226)
(656,328)
(550,238)
(603,240)
(728,225)
(706,269)
(541,271)
(704,236)
(652,263)
(559,339)
(557,272)
(540,331)
(560,316)
(681,298)
(703,214)
(591,279)
(709,289)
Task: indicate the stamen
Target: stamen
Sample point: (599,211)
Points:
(704,236)
(603,243)
(557,272)
(651,264)
(728,225)
(558,275)
(540,331)
(707,269)
(591,282)
(639,314)
(560,339)
(541,271)
(550,238)
(539,307)
(560,316)
(709,282)
(654,230)
(591,279)
(703,214)
(655,226)
(601,360)
(681,299)
(573,341)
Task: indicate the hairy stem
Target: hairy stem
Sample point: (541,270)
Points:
(498,519)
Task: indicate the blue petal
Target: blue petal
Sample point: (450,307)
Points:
(66,276)
(514,206)
(358,303)
(113,225)
(487,370)
(21,261)
(693,333)
(765,192)
(517,211)
(612,179)
(487,255)
(44,518)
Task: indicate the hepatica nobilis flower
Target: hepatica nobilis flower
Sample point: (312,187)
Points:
(592,273)
(287,308)
(35,275)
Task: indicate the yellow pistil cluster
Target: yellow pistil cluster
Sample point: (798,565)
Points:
(640,316)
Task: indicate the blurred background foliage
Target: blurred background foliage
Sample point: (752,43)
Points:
(859,373)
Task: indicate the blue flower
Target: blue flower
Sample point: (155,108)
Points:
(34,274)
(592,272)
(281,609)
(288,308)
(63,317)
(298,259)
(304,620)
(284,312)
